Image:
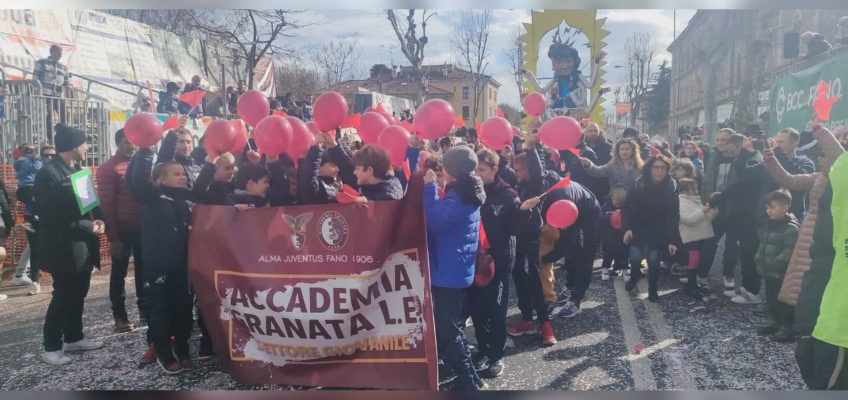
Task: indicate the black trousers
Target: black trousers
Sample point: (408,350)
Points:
(782,314)
(615,251)
(528,286)
(63,322)
(169,307)
(741,243)
(450,310)
(488,306)
(117,291)
(819,362)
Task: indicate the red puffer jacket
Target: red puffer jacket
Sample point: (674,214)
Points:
(120,210)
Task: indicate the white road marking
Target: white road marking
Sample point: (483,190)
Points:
(640,368)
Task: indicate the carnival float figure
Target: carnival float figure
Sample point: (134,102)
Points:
(569,89)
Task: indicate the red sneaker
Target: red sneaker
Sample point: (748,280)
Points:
(548,338)
(149,356)
(522,327)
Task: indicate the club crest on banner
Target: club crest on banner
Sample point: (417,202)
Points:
(333,230)
(297,224)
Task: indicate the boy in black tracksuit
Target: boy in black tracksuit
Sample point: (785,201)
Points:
(166,215)
(612,238)
(215,183)
(321,173)
(488,304)
(260,185)
(528,286)
(371,166)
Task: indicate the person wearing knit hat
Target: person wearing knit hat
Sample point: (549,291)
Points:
(453,231)
(69,247)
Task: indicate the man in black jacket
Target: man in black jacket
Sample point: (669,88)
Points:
(785,146)
(739,204)
(178,146)
(68,244)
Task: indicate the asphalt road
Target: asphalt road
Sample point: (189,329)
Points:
(686,345)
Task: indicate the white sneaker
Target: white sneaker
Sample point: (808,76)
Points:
(729,283)
(83,345)
(55,357)
(3,297)
(746,298)
(731,293)
(605,274)
(34,289)
(684,280)
(21,281)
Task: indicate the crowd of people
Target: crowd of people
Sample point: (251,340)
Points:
(642,206)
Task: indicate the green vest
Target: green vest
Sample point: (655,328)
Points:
(832,325)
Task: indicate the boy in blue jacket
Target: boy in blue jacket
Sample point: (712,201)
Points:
(166,215)
(453,233)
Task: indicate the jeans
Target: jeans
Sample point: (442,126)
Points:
(580,244)
(63,321)
(488,305)
(652,254)
(528,287)
(169,307)
(29,258)
(450,310)
(117,292)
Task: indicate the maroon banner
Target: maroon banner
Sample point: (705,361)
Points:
(332,295)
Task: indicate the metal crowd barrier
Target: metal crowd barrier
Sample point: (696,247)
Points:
(30,118)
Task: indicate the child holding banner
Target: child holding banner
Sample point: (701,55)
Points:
(453,224)
(215,182)
(166,215)
(371,167)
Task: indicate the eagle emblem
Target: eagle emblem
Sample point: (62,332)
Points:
(297,224)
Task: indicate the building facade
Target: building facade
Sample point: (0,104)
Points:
(754,57)
(446,82)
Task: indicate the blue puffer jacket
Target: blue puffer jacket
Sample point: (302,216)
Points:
(26,168)
(453,233)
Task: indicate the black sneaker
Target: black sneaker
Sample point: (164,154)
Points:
(783,336)
(693,292)
(495,369)
(768,330)
(653,297)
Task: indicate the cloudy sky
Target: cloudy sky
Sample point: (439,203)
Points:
(379,44)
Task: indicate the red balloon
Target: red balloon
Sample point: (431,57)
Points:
(394,139)
(312,128)
(496,133)
(516,131)
(241,136)
(220,136)
(615,219)
(534,104)
(562,214)
(143,130)
(434,119)
(330,111)
(389,118)
(560,133)
(371,124)
(252,106)
(273,135)
(302,138)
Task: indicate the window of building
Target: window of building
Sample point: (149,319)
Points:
(466,113)
(465,92)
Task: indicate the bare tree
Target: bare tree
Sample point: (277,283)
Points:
(515,54)
(176,21)
(639,53)
(711,57)
(470,39)
(412,46)
(296,79)
(337,60)
(254,34)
